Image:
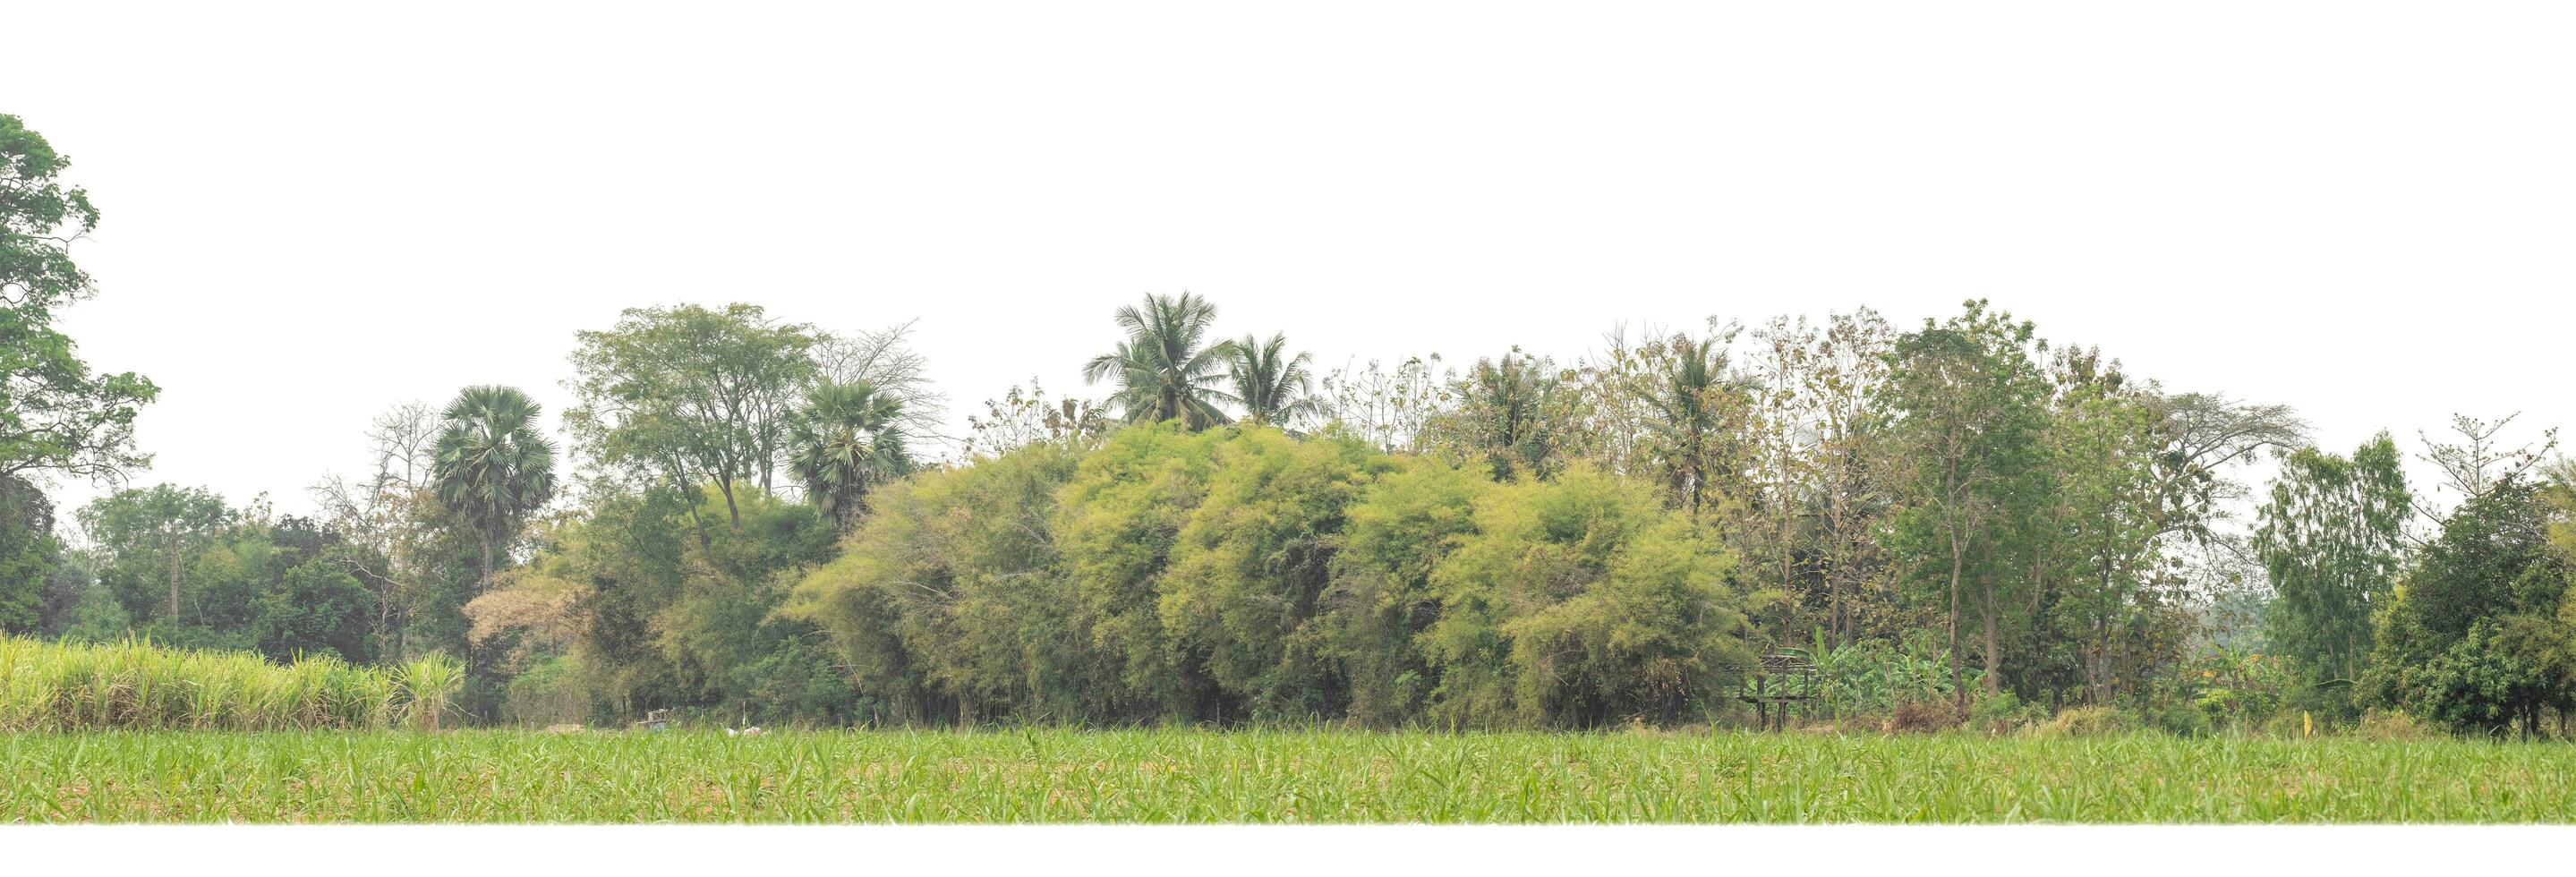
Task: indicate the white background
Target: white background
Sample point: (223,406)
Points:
(316,212)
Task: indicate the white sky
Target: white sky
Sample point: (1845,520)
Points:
(313,213)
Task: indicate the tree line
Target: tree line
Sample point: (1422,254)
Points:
(757,518)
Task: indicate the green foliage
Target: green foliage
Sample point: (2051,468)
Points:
(29,553)
(1528,545)
(2393,726)
(2233,689)
(55,413)
(97,618)
(547,692)
(2331,540)
(150,537)
(1508,417)
(1248,573)
(429,684)
(845,442)
(137,685)
(1381,599)
(2089,721)
(2183,720)
(2477,637)
(1272,386)
(1578,602)
(1877,676)
(950,599)
(688,396)
(1116,523)
(1242,574)
(315,609)
(1966,399)
(695,774)
(493,468)
(650,613)
(1161,371)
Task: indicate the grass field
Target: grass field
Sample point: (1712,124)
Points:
(1264,776)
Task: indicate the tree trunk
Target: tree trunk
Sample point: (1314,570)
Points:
(174,578)
(1994,656)
(1958,562)
(486,580)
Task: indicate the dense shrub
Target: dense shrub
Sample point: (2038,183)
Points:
(135,685)
(2089,721)
(2183,720)
(1239,574)
(1580,601)
(1923,717)
(1874,676)
(2393,725)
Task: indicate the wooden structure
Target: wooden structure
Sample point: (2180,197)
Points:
(1779,683)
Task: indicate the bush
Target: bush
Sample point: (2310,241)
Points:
(2003,713)
(138,685)
(2394,726)
(1917,718)
(548,693)
(2294,724)
(2183,721)
(2089,721)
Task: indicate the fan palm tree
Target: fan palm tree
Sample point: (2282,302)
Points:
(1162,372)
(844,443)
(1269,384)
(492,467)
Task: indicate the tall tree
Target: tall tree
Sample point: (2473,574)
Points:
(885,359)
(692,396)
(2086,538)
(1273,387)
(28,554)
(2479,461)
(1966,397)
(845,442)
(395,514)
(1161,370)
(2471,637)
(2204,438)
(149,534)
(1506,415)
(2332,539)
(1694,407)
(1845,365)
(493,468)
(55,414)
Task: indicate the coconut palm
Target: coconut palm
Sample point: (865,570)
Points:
(1162,372)
(1687,404)
(1269,384)
(492,467)
(845,442)
(1503,408)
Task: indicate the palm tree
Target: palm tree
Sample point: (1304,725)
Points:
(1504,406)
(1687,413)
(492,467)
(1269,384)
(1162,372)
(844,443)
